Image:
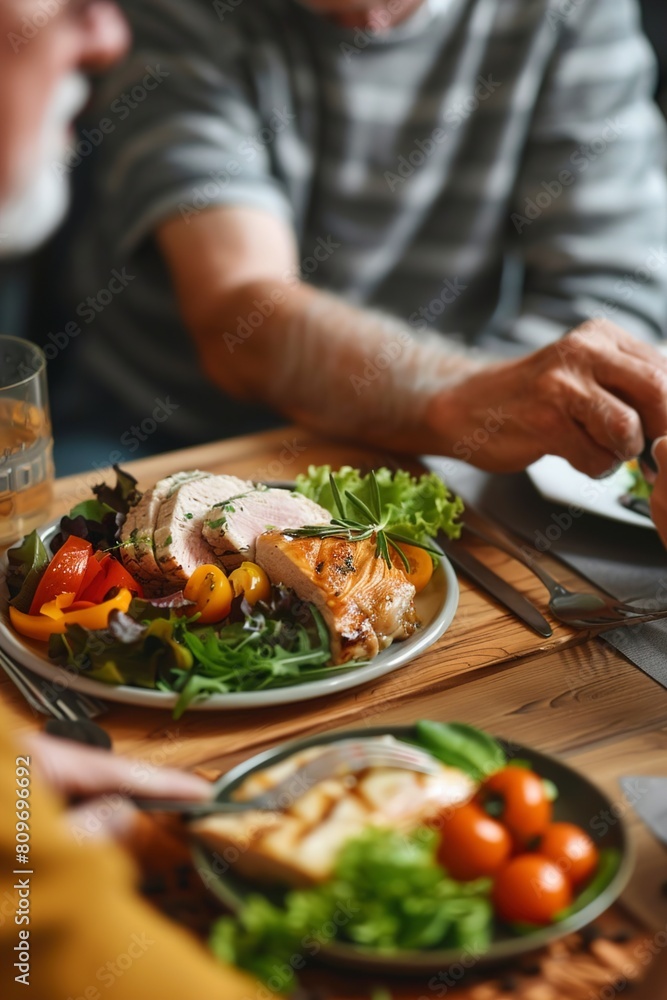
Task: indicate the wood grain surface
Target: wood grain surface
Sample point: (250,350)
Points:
(569,695)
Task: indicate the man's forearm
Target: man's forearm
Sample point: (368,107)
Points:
(330,365)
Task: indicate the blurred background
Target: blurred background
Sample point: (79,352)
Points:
(33,304)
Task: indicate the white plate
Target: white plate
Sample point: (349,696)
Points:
(556,480)
(436,607)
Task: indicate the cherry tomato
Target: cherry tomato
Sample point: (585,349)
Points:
(211,592)
(571,849)
(251,581)
(530,889)
(421,565)
(517,798)
(471,843)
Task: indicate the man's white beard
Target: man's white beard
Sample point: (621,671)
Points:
(36,210)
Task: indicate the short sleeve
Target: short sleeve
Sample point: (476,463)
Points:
(176,125)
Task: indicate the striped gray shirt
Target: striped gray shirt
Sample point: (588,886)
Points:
(492,169)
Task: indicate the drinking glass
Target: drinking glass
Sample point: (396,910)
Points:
(26,444)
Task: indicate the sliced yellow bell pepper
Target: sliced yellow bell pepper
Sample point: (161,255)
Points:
(54,609)
(42,626)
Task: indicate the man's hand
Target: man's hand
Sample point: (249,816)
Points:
(659,497)
(102,783)
(591,398)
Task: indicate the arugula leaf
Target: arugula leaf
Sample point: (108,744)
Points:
(416,508)
(25,567)
(273,644)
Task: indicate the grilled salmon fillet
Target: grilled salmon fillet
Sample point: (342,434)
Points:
(365,603)
(300,845)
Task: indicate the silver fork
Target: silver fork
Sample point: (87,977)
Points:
(343,757)
(71,710)
(578,609)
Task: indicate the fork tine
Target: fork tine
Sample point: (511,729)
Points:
(30,691)
(357,755)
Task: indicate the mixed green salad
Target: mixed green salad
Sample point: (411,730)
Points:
(497,864)
(108,631)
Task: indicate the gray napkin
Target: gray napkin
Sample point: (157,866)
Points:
(625,561)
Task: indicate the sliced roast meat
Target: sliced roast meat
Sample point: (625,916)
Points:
(179,544)
(231,527)
(137,535)
(365,603)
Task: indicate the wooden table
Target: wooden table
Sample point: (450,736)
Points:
(570,694)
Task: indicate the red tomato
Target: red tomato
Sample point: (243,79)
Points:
(420,563)
(571,849)
(517,798)
(471,843)
(64,574)
(530,889)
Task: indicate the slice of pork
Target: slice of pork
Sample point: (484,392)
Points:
(179,544)
(137,534)
(231,528)
(365,603)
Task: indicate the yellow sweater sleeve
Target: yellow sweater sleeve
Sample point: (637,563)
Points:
(71,925)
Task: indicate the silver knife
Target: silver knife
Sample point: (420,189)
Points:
(500,589)
(648,798)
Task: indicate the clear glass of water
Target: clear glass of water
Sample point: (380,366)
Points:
(26,442)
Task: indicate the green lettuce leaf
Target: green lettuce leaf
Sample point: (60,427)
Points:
(25,567)
(388,893)
(418,507)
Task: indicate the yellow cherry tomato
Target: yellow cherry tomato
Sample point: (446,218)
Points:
(421,565)
(55,620)
(251,581)
(211,592)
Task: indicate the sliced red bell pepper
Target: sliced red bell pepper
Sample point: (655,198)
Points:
(64,574)
(93,570)
(111,574)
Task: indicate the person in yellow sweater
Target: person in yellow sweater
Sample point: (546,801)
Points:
(72,926)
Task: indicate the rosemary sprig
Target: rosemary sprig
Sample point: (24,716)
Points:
(368,522)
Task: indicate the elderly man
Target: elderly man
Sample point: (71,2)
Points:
(83,916)
(347,203)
